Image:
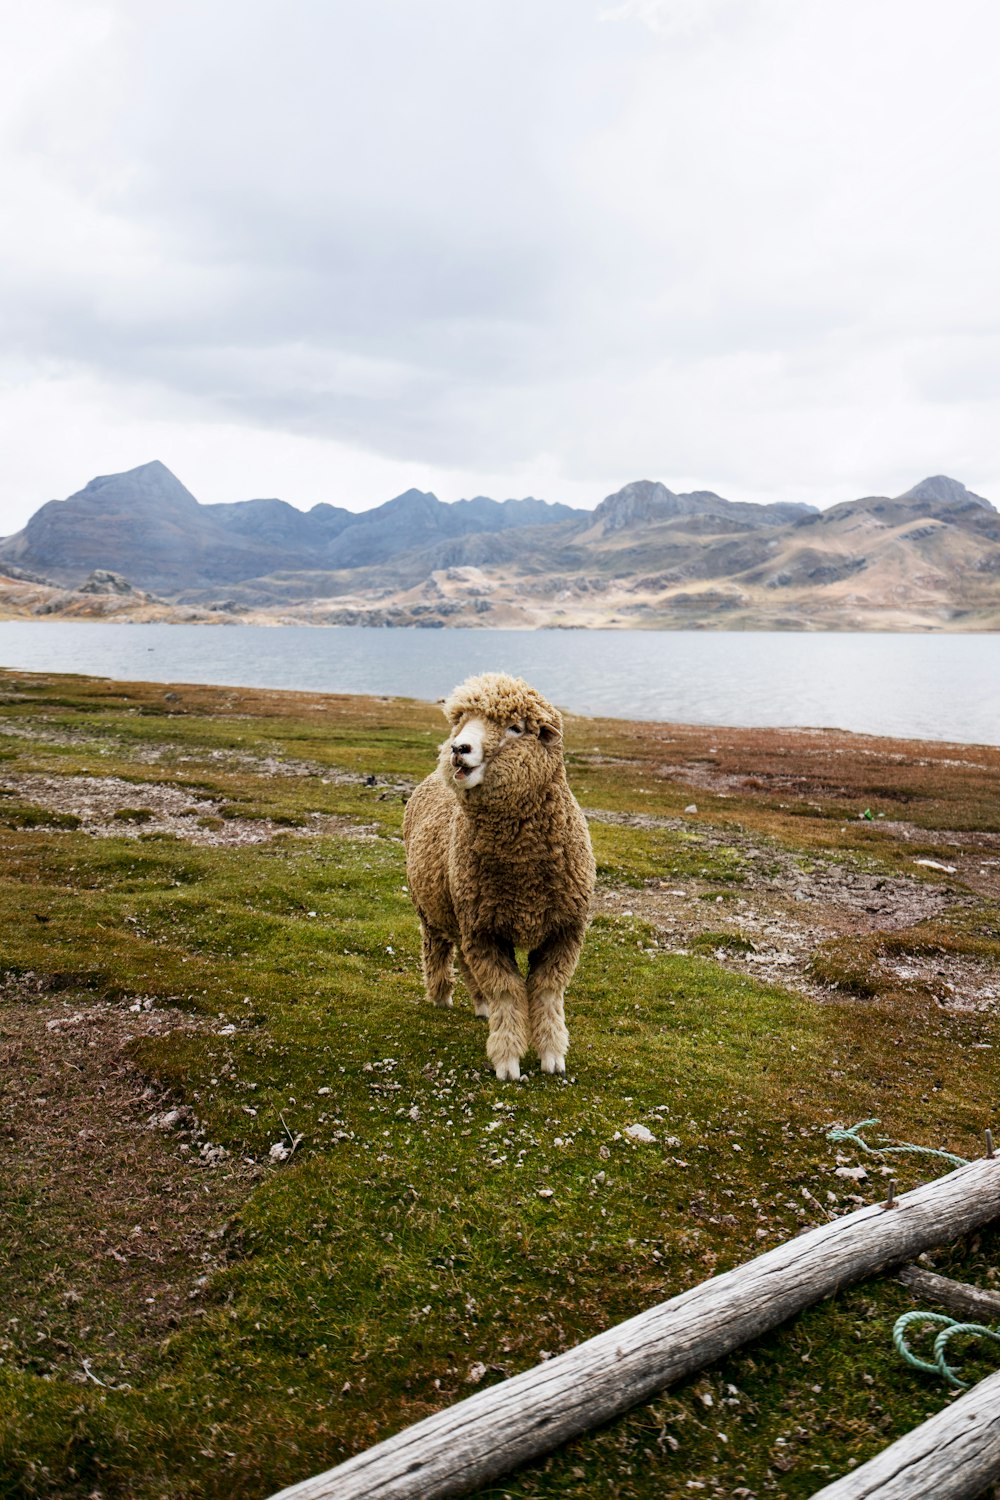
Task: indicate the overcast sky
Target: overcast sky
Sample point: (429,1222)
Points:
(329,249)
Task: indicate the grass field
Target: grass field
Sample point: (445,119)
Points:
(263,1205)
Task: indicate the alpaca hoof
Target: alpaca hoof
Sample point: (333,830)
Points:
(482,1010)
(553,1062)
(510,1069)
(444,1004)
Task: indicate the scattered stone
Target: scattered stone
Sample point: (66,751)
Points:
(62,1021)
(640,1133)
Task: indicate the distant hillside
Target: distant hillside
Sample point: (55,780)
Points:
(928,559)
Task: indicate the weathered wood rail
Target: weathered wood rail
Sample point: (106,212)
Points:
(495,1430)
(953,1456)
(972,1304)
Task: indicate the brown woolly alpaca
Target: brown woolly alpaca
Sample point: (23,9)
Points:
(498,857)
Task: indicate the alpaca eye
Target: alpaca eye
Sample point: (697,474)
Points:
(514,729)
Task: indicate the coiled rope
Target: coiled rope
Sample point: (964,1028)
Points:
(950,1329)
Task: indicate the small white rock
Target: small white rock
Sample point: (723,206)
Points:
(856,1174)
(640,1133)
(476,1373)
(691,808)
(279,1152)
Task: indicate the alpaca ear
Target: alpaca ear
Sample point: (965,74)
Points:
(549,734)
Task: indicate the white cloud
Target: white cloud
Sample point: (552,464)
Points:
(678,18)
(499,249)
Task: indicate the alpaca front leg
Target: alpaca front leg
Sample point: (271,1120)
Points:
(508,1039)
(502,986)
(550,967)
(549,1036)
(439,977)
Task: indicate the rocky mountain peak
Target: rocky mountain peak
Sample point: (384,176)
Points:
(939,489)
(645,502)
(642,500)
(149,485)
(412,503)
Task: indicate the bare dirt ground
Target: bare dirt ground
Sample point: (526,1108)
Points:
(111,1198)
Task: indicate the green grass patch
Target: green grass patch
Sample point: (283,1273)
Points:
(23,815)
(634,856)
(728,942)
(429,1219)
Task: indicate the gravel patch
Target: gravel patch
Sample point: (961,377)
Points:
(785,908)
(100,801)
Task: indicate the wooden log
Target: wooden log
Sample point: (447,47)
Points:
(495,1430)
(971,1304)
(953,1456)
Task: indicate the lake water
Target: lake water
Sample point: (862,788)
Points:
(944,687)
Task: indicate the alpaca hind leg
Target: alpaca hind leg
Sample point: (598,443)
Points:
(480,1004)
(439,976)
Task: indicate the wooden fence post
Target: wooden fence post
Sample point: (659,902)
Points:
(495,1430)
(953,1456)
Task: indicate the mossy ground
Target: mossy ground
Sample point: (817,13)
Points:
(272,1316)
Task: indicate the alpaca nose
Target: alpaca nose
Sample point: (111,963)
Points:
(463,749)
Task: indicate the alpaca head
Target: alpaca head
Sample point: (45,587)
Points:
(505,740)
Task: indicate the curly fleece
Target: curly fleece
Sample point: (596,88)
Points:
(502,865)
(504,699)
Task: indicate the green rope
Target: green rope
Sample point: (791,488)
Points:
(852,1136)
(949,1329)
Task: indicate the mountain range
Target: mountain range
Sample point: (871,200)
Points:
(139,545)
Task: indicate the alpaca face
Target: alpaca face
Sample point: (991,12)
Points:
(467,752)
(483,752)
